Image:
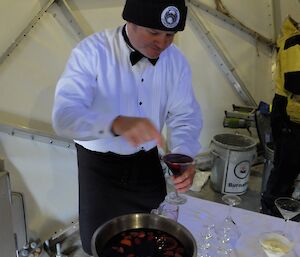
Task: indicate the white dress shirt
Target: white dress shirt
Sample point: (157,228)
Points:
(99,83)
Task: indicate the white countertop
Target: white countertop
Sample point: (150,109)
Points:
(251,225)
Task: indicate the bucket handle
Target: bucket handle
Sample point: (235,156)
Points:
(254,157)
(215,154)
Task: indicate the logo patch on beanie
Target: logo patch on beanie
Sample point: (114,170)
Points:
(170,17)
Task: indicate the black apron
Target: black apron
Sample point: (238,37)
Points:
(111,185)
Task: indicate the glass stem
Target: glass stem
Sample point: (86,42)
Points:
(229,212)
(285,229)
(175,190)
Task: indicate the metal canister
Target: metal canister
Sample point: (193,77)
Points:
(233,155)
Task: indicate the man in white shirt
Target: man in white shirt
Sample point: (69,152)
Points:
(118,90)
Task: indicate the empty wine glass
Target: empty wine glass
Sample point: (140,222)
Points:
(227,231)
(289,208)
(231,200)
(206,242)
(177,163)
(167,210)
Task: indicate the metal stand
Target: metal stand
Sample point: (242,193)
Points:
(7,242)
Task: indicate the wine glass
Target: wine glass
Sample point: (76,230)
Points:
(167,210)
(177,163)
(227,231)
(206,241)
(289,208)
(275,244)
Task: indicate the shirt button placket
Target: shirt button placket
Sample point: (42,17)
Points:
(140,102)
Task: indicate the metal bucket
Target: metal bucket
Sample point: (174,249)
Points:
(233,156)
(146,221)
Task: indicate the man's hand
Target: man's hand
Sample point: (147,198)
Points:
(136,130)
(183,182)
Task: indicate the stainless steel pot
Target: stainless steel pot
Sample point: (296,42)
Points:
(142,220)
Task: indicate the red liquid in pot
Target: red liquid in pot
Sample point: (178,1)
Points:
(143,243)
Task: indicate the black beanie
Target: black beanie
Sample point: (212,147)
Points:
(167,15)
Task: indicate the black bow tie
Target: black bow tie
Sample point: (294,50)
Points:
(135,56)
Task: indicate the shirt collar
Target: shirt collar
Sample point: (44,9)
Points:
(135,55)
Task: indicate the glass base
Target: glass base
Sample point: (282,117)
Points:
(175,198)
(286,245)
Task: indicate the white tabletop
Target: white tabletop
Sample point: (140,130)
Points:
(251,225)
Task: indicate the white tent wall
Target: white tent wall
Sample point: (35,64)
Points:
(47,174)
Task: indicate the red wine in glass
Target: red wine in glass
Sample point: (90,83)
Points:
(177,163)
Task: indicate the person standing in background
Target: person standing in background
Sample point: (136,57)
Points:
(285,119)
(119,89)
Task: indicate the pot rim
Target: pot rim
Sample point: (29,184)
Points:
(156,222)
